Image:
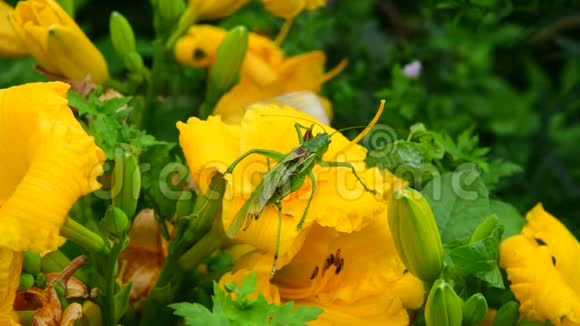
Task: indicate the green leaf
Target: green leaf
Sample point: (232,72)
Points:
(195,314)
(288,316)
(244,311)
(480,258)
(122,301)
(459,201)
(509,217)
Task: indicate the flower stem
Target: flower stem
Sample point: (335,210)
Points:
(203,248)
(110,271)
(89,240)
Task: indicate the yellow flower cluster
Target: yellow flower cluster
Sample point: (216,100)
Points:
(266,72)
(48,162)
(343,259)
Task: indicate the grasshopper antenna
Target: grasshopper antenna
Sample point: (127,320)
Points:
(293,117)
(365,131)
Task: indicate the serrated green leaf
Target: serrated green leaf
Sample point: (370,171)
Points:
(195,314)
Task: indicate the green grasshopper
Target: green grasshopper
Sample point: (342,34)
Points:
(288,175)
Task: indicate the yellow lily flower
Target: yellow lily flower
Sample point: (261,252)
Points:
(291,8)
(57,42)
(542,263)
(10,45)
(340,202)
(265,72)
(49,163)
(356,277)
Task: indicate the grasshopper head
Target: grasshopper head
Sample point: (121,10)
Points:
(318,144)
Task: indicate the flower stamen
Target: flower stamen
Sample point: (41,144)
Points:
(314,273)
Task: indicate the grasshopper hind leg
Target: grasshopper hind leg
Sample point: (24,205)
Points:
(278,235)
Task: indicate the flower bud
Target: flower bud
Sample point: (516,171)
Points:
(206,209)
(126,182)
(170,10)
(415,234)
(443,307)
(474,310)
(484,228)
(229,58)
(68,6)
(506,315)
(134,62)
(75,55)
(185,204)
(116,221)
(122,35)
(26,281)
(31,262)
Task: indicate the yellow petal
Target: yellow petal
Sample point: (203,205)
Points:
(10,44)
(10,266)
(232,105)
(54,162)
(208,145)
(259,263)
(215,9)
(542,291)
(291,8)
(262,232)
(561,244)
(370,311)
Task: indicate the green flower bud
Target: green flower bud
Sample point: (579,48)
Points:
(68,6)
(474,310)
(506,315)
(26,281)
(116,221)
(484,228)
(229,58)
(126,182)
(226,69)
(170,10)
(185,204)
(31,262)
(206,209)
(443,307)
(122,35)
(415,234)
(134,62)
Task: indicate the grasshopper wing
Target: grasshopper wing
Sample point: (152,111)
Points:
(261,196)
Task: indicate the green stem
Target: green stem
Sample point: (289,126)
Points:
(203,248)
(186,20)
(109,273)
(89,240)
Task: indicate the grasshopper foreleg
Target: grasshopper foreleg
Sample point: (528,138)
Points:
(312,191)
(277,156)
(351,167)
